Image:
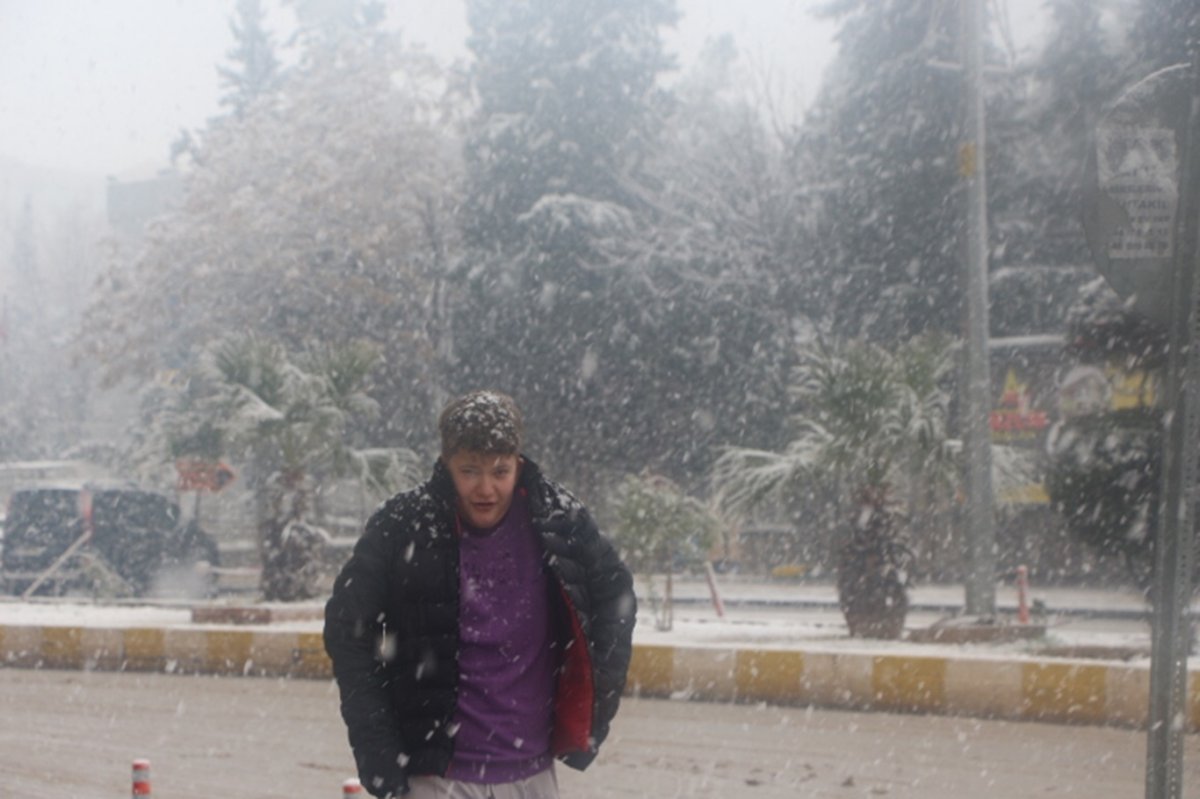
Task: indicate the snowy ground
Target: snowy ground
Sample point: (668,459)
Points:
(284,739)
(781,615)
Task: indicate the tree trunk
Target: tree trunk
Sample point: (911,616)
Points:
(290,547)
(872,565)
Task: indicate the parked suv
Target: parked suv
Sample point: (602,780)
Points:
(113,541)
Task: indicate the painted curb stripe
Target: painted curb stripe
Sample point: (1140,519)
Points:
(771,676)
(61,647)
(22,646)
(228,651)
(909,684)
(309,658)
(144,648)
(651,670)
(1064,692)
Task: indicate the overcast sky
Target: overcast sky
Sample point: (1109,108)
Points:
(106,85)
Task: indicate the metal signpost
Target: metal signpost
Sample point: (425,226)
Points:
(1142,219)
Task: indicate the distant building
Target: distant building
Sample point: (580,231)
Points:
(133,204)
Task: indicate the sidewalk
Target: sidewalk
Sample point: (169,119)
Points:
(735,591)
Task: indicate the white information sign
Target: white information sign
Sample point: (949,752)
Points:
(1132,187)
(1138,167)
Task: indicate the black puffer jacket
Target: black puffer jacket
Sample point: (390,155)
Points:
(391,629)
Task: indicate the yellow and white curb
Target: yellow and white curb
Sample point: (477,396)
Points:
(1065,691)
(182,650)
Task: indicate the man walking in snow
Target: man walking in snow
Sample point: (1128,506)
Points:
(482,628)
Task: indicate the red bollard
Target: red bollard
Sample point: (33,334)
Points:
(1022,595)
(352,789)
(141,778)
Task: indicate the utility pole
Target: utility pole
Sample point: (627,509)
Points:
(977,442)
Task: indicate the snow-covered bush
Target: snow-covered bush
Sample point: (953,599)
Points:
(660,528)
(1104,455)
(1104,481)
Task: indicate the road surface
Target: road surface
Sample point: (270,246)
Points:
(70,735)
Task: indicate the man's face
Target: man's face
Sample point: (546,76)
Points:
(484,483)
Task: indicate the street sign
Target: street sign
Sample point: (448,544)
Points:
(199,474)
(1131,190)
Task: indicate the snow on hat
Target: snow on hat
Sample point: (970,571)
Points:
(481,421)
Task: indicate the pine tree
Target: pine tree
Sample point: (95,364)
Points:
(320,217)
(1165,33)
(722,283)
(564,106)
(566,94)
(254,71)
(324,24)
(1037,200)
(884,131)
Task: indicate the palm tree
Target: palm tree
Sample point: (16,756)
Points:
(292,418)
(869,424)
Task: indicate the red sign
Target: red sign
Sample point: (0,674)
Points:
(197,474)
(1014,418)
(1018,422)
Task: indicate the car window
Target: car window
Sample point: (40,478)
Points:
(39,526)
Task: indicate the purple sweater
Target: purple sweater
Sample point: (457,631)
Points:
(506,664)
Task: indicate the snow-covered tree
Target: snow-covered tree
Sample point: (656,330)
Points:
(694,326)
(721,279)
(290,419)
(566,105)
(326,22)
(1104,479)
(1044,139)
(1165,33)
(870,425)
(564,90)
(884,131)
(1104,472)
(254,68)
(862,414)
(324,215)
